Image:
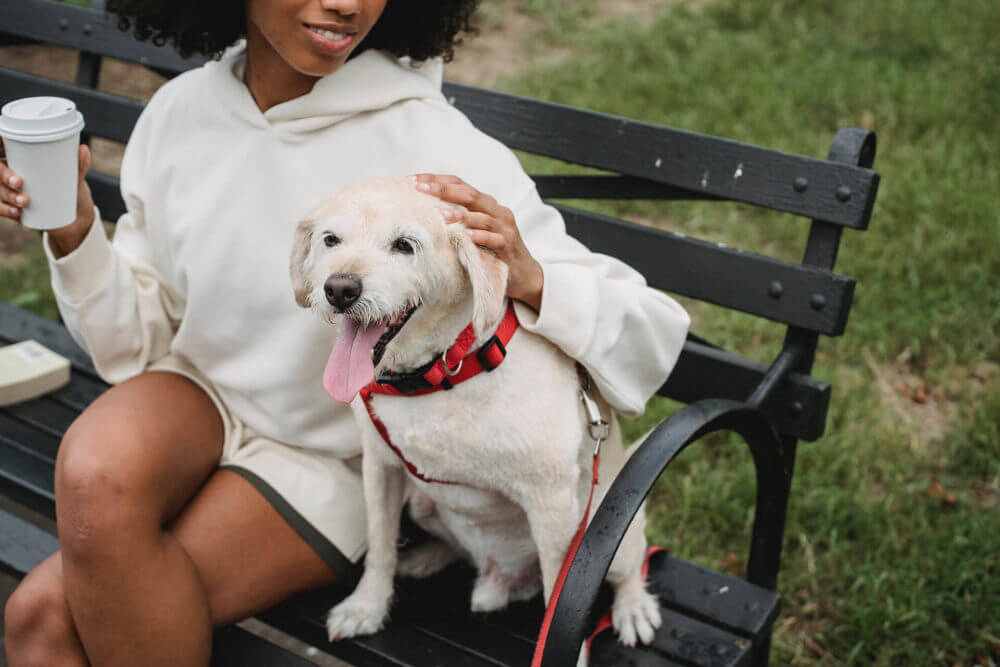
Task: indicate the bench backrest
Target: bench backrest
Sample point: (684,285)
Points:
(651,162)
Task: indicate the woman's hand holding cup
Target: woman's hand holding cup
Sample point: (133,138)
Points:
(45,162)
(63,240)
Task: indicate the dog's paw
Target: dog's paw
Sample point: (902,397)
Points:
(425,560)
(356,616)
(490,593)
(636,615)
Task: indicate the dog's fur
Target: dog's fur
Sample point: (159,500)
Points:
(514,439)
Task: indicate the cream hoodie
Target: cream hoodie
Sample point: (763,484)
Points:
(214,189)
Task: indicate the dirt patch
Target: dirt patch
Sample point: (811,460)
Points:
(509,40)
(926,409)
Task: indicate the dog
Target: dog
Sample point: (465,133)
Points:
(499,468)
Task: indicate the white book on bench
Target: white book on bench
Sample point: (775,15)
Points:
(29,369)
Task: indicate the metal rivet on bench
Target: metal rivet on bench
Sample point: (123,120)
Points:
(817,301)
(63,24)
(800,183)
(775,290)
(843,193)
(87,28)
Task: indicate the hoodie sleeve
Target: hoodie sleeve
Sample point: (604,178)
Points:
(599,311)
(112,296)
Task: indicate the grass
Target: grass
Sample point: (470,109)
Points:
(892,550)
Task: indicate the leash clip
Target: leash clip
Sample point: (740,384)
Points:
(597,427)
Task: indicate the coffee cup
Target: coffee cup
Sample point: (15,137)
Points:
(41,136)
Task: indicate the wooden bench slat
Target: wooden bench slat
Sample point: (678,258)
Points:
(25,437)
(726,602)
(44,415)
(79,393)
(86,30)
(724,168)
(105,115)
(610,187)
(25,477)
(718,274)
(23,545)
(399,644)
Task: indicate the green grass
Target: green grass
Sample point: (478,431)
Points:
(878,569)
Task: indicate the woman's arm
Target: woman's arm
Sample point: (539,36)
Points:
(112,297)
(598,310)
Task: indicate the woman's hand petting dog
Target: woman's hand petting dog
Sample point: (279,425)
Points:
(491,226)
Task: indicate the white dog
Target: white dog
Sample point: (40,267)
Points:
(500,466)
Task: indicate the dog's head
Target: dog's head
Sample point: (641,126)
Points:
(379,254)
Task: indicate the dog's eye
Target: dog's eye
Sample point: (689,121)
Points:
(331,240)
(403,245)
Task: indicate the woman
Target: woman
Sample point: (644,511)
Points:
(216,477)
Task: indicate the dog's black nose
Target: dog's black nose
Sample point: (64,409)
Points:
(342,290)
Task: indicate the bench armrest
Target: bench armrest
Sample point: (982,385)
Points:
(635,481)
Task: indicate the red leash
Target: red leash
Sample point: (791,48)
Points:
(543,633)
(599,430)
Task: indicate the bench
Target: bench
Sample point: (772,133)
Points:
(710,618)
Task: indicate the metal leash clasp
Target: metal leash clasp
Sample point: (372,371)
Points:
(597,427)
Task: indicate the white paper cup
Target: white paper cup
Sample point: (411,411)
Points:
(41,136)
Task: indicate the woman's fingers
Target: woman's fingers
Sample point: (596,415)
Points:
(470,219)
(455,190)
(84,160)
(10,184)
(490,240)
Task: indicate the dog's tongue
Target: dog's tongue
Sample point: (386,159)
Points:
(350,365)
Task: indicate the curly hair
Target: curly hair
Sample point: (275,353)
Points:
(419,30)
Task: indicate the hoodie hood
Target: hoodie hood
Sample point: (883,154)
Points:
(374,80)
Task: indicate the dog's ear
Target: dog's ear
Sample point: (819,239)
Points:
(487,274)
(299,264)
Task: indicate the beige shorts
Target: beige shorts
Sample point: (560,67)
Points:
(318,494)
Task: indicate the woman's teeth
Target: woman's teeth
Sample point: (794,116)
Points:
(335,36)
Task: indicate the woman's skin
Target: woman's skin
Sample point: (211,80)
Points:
(158,545)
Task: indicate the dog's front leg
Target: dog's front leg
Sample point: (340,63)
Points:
(553,517)
(366,609)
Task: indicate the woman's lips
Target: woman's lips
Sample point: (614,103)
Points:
(327,45)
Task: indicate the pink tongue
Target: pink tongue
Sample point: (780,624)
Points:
(350,365)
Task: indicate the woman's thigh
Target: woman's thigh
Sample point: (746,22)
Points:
(248,557)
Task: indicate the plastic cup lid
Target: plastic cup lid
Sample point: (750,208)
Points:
(40,118)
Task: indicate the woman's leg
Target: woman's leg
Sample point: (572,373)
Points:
(137,593)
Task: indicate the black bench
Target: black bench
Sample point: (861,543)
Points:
(710,618)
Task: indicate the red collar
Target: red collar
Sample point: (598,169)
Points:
(454,366)
(435,376)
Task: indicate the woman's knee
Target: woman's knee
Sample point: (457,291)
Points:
(100,496)
(37,621)
(126,466)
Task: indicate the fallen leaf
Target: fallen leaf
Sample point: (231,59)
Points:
(936,490)
(733,564)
